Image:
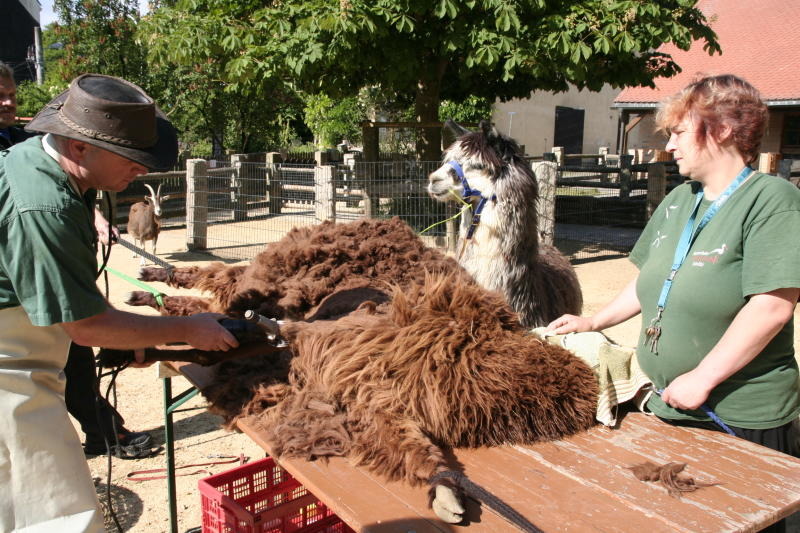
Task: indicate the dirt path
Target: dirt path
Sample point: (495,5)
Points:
(142,506)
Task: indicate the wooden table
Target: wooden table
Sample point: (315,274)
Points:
(576,484)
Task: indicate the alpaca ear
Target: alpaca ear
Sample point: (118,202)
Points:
(455,128)
(488,129)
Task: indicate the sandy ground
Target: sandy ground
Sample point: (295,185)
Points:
(142,506)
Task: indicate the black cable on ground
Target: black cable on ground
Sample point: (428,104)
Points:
(106,254)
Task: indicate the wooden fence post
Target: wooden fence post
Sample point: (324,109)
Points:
(768,162)
(559,153)
(324,193)
(656,187)
(274,183)
(196,204)
(238,196)
(369,137)
(546,173)
(625,162)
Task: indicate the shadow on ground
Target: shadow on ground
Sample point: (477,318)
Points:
(127,506)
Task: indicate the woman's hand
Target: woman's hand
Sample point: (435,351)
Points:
(688,391)
(570,324)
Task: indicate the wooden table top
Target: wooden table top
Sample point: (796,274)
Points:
(577,484)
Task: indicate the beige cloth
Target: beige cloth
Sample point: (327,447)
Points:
(618,374)
(45,482)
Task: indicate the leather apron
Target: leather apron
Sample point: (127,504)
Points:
(46,482)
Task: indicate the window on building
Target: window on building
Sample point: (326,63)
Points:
(790,141)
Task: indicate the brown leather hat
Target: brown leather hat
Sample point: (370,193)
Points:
(115,115)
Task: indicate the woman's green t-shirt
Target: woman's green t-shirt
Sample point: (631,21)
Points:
(751,246)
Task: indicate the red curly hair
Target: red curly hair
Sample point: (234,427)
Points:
(715,102)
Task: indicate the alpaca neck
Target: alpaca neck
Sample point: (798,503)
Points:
(503,246)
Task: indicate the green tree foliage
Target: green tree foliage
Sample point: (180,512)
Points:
(333,121)
(98,36)
(31,98)
(238,110)
(433,49)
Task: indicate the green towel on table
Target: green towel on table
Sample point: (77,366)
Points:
(618,374)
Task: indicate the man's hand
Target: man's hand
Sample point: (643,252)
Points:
(101,226)
(204,332)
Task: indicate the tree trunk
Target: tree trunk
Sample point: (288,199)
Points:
(429,144)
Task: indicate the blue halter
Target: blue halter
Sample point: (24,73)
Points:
(468,193)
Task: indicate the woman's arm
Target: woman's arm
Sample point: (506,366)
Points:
(624,306)
(754,326)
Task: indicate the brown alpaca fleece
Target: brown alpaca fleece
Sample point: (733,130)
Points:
(445,364)
(670,476)
(292,276)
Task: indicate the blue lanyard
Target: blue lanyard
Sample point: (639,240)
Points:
(689,235)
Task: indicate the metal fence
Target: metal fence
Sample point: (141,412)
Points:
(234,211)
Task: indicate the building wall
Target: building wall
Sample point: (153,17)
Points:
(16,36)
(644,135)
(533,120)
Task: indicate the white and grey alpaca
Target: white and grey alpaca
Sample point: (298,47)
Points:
(499,235)
(144,219)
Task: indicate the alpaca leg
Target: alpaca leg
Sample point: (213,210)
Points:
(182,277)
(173,305)
(412,456)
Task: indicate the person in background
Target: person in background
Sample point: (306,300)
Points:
(98,135)
(719,275)
(99,421)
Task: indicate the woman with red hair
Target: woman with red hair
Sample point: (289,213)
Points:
(719,275)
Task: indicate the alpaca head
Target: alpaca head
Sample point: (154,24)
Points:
(482,156)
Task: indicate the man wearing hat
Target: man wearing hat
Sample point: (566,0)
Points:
(99,135)
(97,417)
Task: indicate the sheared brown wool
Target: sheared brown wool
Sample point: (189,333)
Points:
(670,476)
(445,363)
(395,352)
(292,276)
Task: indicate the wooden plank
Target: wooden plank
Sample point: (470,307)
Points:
(372,507)
(577,484)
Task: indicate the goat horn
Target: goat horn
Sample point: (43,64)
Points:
(158,192)
(154,196)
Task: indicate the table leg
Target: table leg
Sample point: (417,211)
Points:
(170,406)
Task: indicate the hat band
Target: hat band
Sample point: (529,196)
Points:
(94,134)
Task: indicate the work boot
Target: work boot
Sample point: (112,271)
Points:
(132,445)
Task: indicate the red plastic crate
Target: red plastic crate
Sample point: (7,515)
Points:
(261,497)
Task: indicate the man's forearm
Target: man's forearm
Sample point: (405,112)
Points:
(121,330)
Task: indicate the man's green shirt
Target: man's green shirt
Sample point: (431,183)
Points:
(749,247)
(48,259)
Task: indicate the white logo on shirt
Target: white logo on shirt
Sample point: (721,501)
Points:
(701,257)
(658,239)
(667,210)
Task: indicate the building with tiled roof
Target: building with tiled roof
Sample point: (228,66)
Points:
(760,43)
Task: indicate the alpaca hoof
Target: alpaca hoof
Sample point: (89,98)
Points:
(139,298)
(152,274)
(446,505)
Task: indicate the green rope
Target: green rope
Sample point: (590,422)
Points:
(141,284)
(461,212)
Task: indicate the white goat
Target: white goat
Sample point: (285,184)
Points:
(144,219)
